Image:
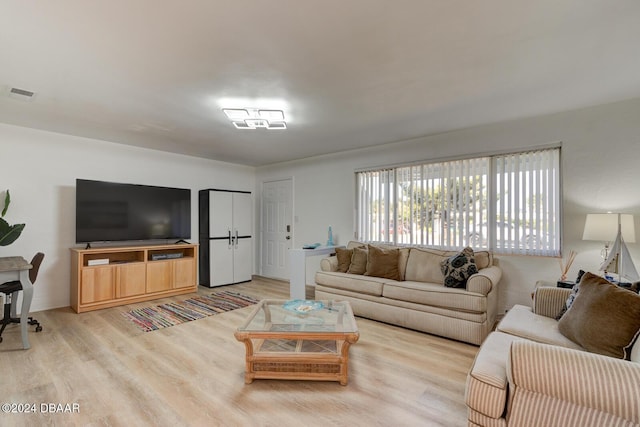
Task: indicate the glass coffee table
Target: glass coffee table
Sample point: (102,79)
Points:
(298,340)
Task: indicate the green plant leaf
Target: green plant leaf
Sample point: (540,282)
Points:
(7,200)
(9,233)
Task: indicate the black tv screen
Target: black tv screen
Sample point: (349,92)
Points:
(109,211)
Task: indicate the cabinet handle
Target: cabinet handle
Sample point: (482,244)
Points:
(236,238)
(229,238)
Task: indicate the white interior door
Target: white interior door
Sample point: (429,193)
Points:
(277,228)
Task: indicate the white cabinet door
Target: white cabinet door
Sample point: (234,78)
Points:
(242,208)
(220,213)
(221,262)
(242,261)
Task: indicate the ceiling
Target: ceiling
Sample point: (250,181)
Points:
(348,73)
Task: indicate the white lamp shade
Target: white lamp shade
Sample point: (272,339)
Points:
(604,227)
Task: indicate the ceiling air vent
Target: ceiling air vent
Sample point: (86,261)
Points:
(25,95)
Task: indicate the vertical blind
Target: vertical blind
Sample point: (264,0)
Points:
(507,203)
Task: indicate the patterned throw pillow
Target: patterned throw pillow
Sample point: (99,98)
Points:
(458,268)
(572,296)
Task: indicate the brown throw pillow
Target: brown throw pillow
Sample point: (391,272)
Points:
(358,261)
(603,318)
(344,259)
(383,263)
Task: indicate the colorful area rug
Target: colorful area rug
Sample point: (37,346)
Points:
(171,314)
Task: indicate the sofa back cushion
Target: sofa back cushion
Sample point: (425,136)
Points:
(423,265)
(483,259)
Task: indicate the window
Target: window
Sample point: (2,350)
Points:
(508,203)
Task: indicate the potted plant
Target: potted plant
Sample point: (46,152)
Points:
(8,233)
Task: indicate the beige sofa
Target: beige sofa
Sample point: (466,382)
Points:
(527,373)
(419,300)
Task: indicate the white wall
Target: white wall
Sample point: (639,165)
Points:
(600,153)
(601,148)
(40,168)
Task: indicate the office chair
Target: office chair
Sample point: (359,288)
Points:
(10,290)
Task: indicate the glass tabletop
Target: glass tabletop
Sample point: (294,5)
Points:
(306,316)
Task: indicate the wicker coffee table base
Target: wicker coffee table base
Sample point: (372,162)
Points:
(297,365)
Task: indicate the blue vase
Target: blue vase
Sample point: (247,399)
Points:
(330,239)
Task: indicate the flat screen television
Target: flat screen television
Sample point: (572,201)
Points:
(110,211)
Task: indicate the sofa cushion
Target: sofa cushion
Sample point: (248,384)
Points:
(351,282)
(358,261)
(355,244)
(382,262)
(423,265)
(604,318)
(483,259)
(458,268)
(344,259)
(522,322)
(436,295)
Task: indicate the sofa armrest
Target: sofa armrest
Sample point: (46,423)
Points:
(549,300)
(553,385)
(329,263)
(484,280)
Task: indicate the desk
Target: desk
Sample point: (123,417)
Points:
(298,268)
(17,268)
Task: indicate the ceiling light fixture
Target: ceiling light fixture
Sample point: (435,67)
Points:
(253,118)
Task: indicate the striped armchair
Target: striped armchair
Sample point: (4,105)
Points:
(528,374)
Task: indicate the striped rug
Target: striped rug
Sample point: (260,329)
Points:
(171,314)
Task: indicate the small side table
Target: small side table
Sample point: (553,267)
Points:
(298,268)
(566,284)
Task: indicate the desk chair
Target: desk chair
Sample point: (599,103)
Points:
(10,290)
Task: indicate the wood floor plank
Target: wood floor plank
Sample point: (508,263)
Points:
(193,374)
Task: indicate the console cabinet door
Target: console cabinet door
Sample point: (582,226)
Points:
(184,273)
(159,276)
(132,280)
(97,284)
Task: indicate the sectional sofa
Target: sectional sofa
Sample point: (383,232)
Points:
(581,370)
(407,289)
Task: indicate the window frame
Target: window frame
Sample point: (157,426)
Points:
(533,226)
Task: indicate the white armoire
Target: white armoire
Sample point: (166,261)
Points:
(225,237)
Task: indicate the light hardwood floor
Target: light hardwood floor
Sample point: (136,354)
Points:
(193,374)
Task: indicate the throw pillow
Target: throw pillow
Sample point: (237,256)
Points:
(344,259)
(383,262)
(358,261)
(458,268)
(574,291)
(603,318)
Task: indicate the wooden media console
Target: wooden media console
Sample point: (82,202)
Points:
(112,276)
